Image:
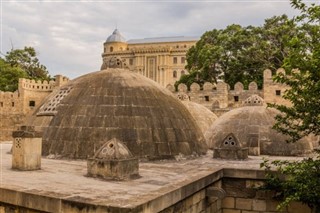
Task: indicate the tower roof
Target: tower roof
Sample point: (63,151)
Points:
(116,37)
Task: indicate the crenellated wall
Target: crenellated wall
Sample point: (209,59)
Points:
(16,106)
(220,98)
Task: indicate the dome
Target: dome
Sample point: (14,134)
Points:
(202,115)
(116,103)
(252,125)
(116,37)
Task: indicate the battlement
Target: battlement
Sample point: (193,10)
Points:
(9,95)
(218,96)
(45,86)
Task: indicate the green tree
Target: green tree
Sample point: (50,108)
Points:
(9,76)
(302,182)
(239,53)
(27,60)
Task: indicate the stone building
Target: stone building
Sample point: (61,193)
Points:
(219,98)
(16,106)
(161,59)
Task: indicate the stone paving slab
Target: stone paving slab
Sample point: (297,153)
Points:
(66,179)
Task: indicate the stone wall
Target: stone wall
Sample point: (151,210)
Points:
(16,106)
(220,98)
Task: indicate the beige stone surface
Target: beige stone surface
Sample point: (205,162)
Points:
(161,184)
(242,203)
(259,205)
(228,202)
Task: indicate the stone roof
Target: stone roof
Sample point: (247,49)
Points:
(203,116)
(163,39)
(116,37)
(253,125)
(117,103)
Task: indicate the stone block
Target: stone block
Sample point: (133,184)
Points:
(242,203)
(26,153)
(228,202)
(296,207)
(113,169)
(235,154)
(231,211)
(259,205)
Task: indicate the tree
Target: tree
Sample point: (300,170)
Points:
(27,60)
(9,76)
(302,182)
(239,53)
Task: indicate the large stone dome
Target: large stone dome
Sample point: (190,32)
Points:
(252,125)
(116,103)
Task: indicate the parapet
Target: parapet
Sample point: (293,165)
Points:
(46,86)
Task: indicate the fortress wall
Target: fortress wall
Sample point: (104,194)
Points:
(219,96)
(16,106)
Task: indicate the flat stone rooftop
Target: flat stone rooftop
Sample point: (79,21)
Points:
(65,180)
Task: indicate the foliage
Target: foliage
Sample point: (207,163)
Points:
(295,181)
(20,63)
(9,76)
(27,60)
(303,117)
(302,178)
(239,53)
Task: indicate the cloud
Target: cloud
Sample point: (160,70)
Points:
(69,36)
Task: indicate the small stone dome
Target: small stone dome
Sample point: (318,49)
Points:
(116,37)
(117,103)
(252,125)
(202,115)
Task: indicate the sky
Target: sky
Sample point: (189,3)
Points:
(69,35)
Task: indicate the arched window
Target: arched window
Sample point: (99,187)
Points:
(174,74)
(182,72)
(111,49)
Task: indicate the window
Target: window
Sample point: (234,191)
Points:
(236,98)
(1,104)
(206,98)
(183,60)
(175,60)
(174,74)
(278,92)
(32,103)
(121,48)
(131,61)
(111,49)
(105,49)
(182,72)
(12,104)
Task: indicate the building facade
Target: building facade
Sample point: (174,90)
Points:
(161,59)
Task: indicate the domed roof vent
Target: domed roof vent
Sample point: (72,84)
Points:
(116,37)
(113,149)
(254,100)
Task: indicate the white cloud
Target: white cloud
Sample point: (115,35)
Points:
(69,35)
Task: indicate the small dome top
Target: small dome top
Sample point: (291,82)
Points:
(113,150)
(116,37)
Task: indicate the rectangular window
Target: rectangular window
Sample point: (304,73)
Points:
(206,98)
(175,60)
(278,92)
(130,61)
(183,60)
(236,98)
(32,103)
(12,104)
(1,104)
